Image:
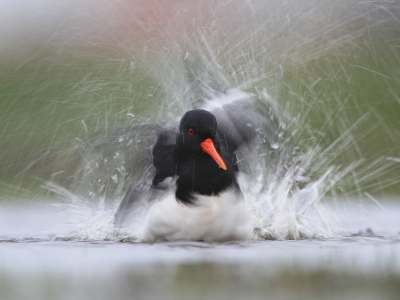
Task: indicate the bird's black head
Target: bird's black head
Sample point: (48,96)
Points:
(198,123)
(197,131)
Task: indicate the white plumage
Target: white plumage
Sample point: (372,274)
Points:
(212,219)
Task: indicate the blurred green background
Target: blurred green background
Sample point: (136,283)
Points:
(75,70)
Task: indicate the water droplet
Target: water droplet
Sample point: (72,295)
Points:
(115,178)
(275,146)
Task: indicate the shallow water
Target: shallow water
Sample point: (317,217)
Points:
(42,256)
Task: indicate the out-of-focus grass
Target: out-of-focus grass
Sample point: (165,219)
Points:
(51,104)
(199,281)
(73,73)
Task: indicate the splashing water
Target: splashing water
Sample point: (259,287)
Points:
(328,71)
(273,172)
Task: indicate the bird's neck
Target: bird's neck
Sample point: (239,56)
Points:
(202,177)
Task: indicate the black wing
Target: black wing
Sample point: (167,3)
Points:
(145,190)
(164,159)
(243,120)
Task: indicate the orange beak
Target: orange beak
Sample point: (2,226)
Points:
(208,147)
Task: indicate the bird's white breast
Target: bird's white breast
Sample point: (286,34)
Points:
(212,219)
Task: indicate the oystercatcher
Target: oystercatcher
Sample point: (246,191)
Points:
(194,193)
(207,203)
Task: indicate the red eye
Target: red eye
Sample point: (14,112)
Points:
(191,131)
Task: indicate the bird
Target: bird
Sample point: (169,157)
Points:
(194,191)
(207,203)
